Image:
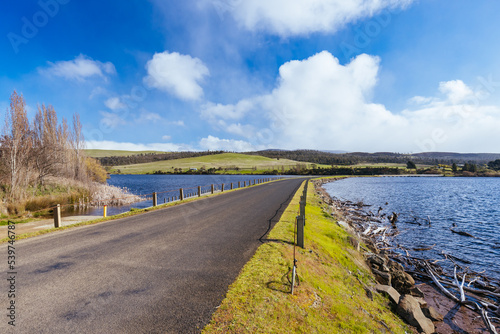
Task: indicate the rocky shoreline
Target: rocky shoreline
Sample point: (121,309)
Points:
(416,300)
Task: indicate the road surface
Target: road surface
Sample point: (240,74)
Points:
(160,272)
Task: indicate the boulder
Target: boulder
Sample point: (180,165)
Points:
(382,277)
(416,292)
(395,266)
(409,309)
(389,291)
(402,281)
(431,313)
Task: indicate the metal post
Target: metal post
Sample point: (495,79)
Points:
(212,188)
(155,199)
(57,216)
(199,191)
(300,231)
(181,194)
(105,211)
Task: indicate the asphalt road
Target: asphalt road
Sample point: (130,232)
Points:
(160,272)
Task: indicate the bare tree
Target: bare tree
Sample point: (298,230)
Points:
(77,141)
(16,146)
(50,143)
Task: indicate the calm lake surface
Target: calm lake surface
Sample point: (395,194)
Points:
(168,186)
(465,204)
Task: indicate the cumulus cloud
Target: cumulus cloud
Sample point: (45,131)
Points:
(124,146)
(319,103)
(214,143)
(79,69)
(456,91)
(176,74)
(114,103)
(146,116)
(298,17)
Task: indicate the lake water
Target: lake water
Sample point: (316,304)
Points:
(167,186)
(465,204)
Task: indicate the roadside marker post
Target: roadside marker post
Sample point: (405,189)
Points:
(300,231)
(222,188)
(212,189)
(57,216)
(155,199)
(105,211)
(181,194)
(199,191)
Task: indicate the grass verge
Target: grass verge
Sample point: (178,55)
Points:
(334,290)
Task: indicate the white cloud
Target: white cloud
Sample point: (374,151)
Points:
(79,69)
(177,123)
(213,143)
(456,91)
(298,17)
(114,103)
(146,116)
(111,120)
(124,146)
(176,74)
(213,111)
(166,137)
(321,104)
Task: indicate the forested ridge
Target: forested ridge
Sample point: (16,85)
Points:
(151,157)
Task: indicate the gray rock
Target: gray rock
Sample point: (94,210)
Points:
(389,291)
(416,292)
(409,309)
(402,281)
(382,277)
(431,313)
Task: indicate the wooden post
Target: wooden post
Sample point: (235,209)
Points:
(231,185)
(155,199)
(181,194)
(212,189)
(199,191)
(57,216)
(222,188)
(300,231)
(239,184)
(244,183)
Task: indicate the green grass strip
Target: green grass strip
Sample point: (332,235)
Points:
(331,297)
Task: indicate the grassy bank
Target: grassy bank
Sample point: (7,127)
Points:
(332,296)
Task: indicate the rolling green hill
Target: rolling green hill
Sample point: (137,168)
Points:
(231,161)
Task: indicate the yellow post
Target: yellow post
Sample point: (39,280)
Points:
(105,211)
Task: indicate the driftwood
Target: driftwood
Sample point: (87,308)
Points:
(465,234)
(480,294)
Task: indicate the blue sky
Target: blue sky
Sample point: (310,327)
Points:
(362,75)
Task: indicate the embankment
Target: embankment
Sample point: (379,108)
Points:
(335,292)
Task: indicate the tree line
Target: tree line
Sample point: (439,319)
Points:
(151,157)
(33,151)
(349,159)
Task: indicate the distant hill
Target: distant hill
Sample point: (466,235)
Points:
(353,158)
